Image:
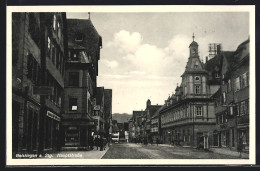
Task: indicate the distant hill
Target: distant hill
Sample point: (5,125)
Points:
(121,118)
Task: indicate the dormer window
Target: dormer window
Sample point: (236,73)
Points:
(79,37)
(196,65)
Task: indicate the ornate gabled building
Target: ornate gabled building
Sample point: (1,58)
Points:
(84,44)
(188,117)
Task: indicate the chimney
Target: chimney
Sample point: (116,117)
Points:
(207,59)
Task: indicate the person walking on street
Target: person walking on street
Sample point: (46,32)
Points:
(157,141)
(240,146)
(96,142)
(101,143)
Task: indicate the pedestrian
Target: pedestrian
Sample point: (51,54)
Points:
(91,142)
(96,142)
(240,146)
(101,143)
(157,141)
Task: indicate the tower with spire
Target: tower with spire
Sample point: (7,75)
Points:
(194,76)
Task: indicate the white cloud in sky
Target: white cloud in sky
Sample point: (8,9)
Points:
(111,64)
(126,41)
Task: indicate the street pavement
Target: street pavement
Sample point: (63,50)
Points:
(140,151)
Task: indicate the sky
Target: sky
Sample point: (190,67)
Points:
(144,54)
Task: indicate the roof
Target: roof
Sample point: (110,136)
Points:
(91,39)
(193,43)
(100,94)
(157,112)
(153,109)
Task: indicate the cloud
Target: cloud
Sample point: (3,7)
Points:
(110,64)
(126,41)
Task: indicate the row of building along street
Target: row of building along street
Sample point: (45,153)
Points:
(56,103)
(209,109)
(57,106)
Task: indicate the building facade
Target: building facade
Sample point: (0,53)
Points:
(108,111)
(38,53)
(188,118)
(232,101)
(84,44)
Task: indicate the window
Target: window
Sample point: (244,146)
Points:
(54,22)
(197,78)
(198,111)
(222,118)
(229,87)
(53,53)
(237,84)
(244,80)
(244,107)
(226,118)
(217,75)
(238,110)
(79,37)
(231,110)
(224,97)
(49,47)
(196,65)
(73,79)
(197,89)
(73,104)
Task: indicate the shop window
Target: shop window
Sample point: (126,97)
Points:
(73,105)
(73,79)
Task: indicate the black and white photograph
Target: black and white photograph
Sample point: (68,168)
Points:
(88,85)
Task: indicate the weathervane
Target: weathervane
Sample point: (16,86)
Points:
(193,36)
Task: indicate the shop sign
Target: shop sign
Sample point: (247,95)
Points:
(53,116)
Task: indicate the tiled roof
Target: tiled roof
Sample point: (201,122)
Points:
(157,112)
(91,39)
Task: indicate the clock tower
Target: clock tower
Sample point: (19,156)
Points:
(195,76)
